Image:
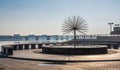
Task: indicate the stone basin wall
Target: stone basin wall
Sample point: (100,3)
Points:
(74,51)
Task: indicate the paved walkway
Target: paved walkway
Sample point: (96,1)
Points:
(35,54)
(15,64)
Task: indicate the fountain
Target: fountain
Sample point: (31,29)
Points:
(74,24)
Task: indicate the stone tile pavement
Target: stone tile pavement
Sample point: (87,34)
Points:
(15,64)
(35,54)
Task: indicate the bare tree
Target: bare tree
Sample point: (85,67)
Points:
(73,24)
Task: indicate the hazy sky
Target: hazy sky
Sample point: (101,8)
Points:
(46,16)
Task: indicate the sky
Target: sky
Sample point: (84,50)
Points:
(41,17)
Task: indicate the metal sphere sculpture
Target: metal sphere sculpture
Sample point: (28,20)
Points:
(74,24)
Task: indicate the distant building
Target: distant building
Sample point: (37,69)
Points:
(6,38)
(17,37)
(31,38)
(116,31)
(24,38)
(43,38)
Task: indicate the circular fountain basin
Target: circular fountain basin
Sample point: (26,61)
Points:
(70,50)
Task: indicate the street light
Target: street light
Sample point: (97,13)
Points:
(110,27)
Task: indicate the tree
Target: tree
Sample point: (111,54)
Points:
(73,24)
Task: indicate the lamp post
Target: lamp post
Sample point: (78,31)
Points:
(110,27)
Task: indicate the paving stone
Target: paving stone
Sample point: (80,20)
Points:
(16,64)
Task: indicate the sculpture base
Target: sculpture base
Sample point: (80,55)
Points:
(74,51)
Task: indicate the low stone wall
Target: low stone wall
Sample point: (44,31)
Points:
(8,49)
(74,51)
